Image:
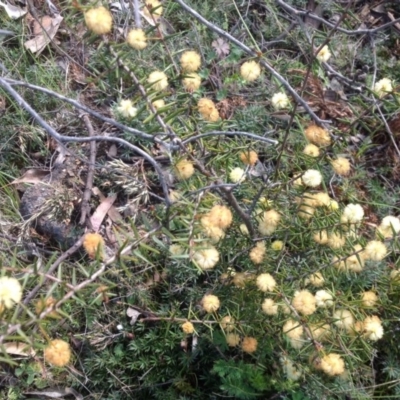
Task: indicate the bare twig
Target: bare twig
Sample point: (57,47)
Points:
(239,133)
(85,207)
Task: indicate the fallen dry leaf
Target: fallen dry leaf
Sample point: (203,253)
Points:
(101,211)
(31,176)
(19,349)
(43,38)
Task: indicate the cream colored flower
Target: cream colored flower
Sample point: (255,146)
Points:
(192,82)
(292,372)
(312,178)
(213,232)
(375,251)
(352,214)
(206,258)
(184,169)
(210,303)
(332,364)
(317,135)
(58,353)
(269,307)
(324,54)
(187,327)
(152,9)
(321,237)
(324,299)
(320,332)
(174,196)
(336,241)
(257,253)
(249,157)
(137,39)
(227,323)
(126,109)
(232,339)
(158,80)
(311,150)
(373,328)
(344,319)
(249,344)
(190,61)
(176,250)
(237,175)
(321,199)
(280,100)
(293,329)
(221,216)
(316,279)
(99,20)
(341,166)
(269,222)
(369,298)
(388,226)
(157,104)
(304,302)
(383,87)
(250,71)
(265,282)
(10,292)
(244,230)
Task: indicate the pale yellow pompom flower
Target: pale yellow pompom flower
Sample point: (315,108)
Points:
(352,214)
(137,39)
(277,245)
(304,302)
(126,109)
(316,279)
(317,135)
(321,237)
(336,241)
(221,216)
(265,282)
(93,243)
(312,178)
(250,157)
(390,225)
(341,166)
(249,344)
(292,372)
(324,54)
(174,196)
(58,353)
(158,80)
(190,61)
(99,20)
(369,298)
(208,110)
(176,250)
(257,253)
(250,71)
(293,329)
(184,169)
(210,303)
(373,328)
(192,82)
(152,9)
(157,104)
(332,364)
(232,339)
(344,319)
(237,175)
(269,307)
(187,327)
(269,222)
(280,100)
(324,299)
(10,292)
(375,251)
(383,87)
(206,258)
(227,323)
(311,150)
(320,332)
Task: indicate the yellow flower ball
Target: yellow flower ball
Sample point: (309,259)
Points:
(210,303)
(317,135)
(277,245)
(375,250)
(232,339)
(311,150)
(10,292)
(265,282)
(269,307)
(249,344)
(221,216)
(280,100)
(192,82)
(324,54)
(249,157)
(158,80)
(187,327)
(293,329)
(341,166)
(344,319)
(383,87)
(137,39)
(190,61)
(58,353)
(237,175)
(257,253)
(373,328)
(317,280)
(332,364)
(304,302)
(227,323)
(93,243)
(152,9)
(126,109)
(369,298)
(250,71)
(206,258)
(99,20)
(184,169)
